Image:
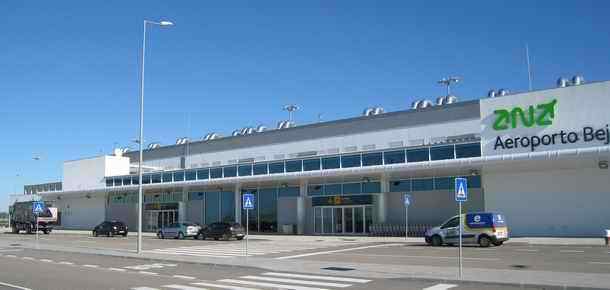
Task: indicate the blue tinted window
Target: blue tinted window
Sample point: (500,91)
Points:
(468,150)
(393,157)
(178,176)
(422,184)
(109,182)
(245,170)
(227,204)
(212,206)
(314,190)
(352,188)
(146,179)
(418,155)
(190,175)
(294,166)
(276,167)
(216,173)
(311,164)
(155,178)
(117,182)
(400,185)
(230,171)
(474,181)
(167,177)
(330,162)
(196,195)
(371,159)
(443,183)
(348,161)
(135,179)
(203,174)
(288,191)
(371,187)
(332,189)
(260,168)
(127,180)
(442,152)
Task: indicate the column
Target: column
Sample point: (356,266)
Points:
(301,207)
(238,203)
(381,200)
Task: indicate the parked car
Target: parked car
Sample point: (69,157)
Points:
(110,228)
(221,230)
(482,228)
(179,230)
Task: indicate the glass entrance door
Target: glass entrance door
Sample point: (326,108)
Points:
(342,220)
(156,219)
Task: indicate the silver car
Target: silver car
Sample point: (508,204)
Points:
(179,230)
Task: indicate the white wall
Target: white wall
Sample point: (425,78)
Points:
(89,173)
(80,212)
(568,202)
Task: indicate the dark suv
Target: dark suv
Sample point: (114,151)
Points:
(224,231)
(110,228)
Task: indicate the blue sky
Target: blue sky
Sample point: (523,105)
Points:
(69,70)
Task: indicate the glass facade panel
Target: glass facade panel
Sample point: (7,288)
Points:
(288,191)
(441,183)
(294,166)
(371,159)
(212,207)
(135,180)
(127,180)
(227,204)
(442,152)
(371,187)
(196,196)
(216,173)
(352,188)
(245,170)
(393,157)
(230,171)
(468,150)
(117,182)
(178,176)
(276,167)
(260,168)
(203,174)
(332,189)
(418,155)
(474,181)
(311,164)
(424,184)
(314,189)
(267,201)
(348,161)
(109,182)
(167,177)
(331,162)
(155,178)
(190,175)
(400,185)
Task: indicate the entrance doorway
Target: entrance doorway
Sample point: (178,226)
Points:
(157,219)
(343,220)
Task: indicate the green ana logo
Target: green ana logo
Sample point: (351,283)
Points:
(540,115)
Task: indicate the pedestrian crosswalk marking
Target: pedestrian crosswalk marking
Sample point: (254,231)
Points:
(272,285)
(295,281)
(223,286)
(441,287)
(342,279)
(184,287)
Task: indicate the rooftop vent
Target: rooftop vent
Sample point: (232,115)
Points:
(421,104)
(577,80)
(117,152)
(211,136)
(373,111)
(491,94)
(260,128)
(236,132)
(154,146)
(503,92)
(562,82)
(446,100)
(285,125)
(182,141)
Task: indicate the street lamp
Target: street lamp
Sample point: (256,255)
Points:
(448,81)
(140,195)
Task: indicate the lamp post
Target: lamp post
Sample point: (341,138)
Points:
(140,140)
(448,81)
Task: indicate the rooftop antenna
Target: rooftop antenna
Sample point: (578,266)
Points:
(529,69)
(291,109)
(448,81)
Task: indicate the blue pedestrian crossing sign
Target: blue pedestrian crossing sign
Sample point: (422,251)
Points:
(407,199)
(38,207)
(461,189)
(248,201)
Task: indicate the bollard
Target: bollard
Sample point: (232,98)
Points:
(607,237)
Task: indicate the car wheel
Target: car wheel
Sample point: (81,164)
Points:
(109,234)
(498,243)
(239,238)
(46,232)
(180,236)
(95,233)
(216,239)
(124,234)
(484,241)
(160,235)
(226,237)
(436,241)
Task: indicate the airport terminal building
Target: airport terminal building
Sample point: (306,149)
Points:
(540,158)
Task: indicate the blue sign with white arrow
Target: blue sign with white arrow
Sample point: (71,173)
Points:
(248,201)
(407,199)
(38,207)
(461,189)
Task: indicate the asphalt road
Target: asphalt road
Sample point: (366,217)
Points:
(33,269)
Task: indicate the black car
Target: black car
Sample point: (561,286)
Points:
(110,228)
(224,231)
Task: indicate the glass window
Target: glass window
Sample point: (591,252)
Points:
(371,187)
(212,207)
(230,171)
(314,189)
(267,201)
(127,180)
(276,167)
(216,173)
(441,183)
(155,178)
(311,164)
(468,150)
(190,175)
(331,162)
(196,195)
(136,179)
(418,155)
(452,223)
(245,170)
(332,189)
(371,159)
(203,174)
(288,191)
(350,161)
(167,177)
(400,185)
(424,184)
(352,188)
(178,176)
(442,152)
(393,157)
(294,166)
(117,182)
(474,181)
(109,182)
(260,168)
(227,205)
